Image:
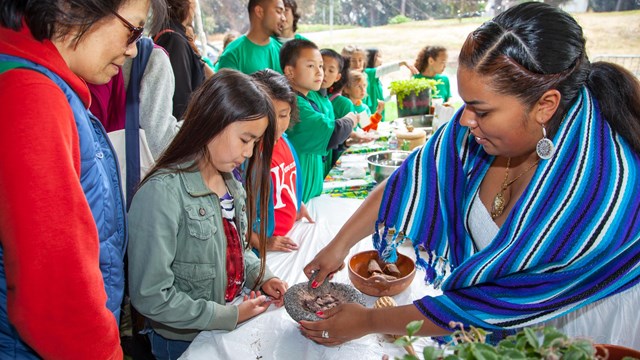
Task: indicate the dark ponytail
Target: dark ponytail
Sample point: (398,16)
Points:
(617,91)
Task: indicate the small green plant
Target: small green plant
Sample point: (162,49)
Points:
(399,19)
(530,343)
(402,88)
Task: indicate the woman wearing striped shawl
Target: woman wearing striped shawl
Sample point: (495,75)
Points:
(526,202)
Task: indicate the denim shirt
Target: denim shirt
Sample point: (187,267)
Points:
(177,254)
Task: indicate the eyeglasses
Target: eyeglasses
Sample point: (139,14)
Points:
(136,31)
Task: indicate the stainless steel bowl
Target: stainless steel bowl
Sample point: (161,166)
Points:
(418,121)
(382,164)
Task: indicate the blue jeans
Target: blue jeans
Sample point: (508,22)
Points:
(165,349)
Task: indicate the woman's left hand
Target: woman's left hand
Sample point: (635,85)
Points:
(275,288)
(342,323)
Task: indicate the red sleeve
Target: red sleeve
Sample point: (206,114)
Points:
(55,293)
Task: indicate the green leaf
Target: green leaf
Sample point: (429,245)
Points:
(403,341)
(506,344)
(414,326)
(585,346)
(402,88)
(452,357)
(432,353)
(410,357)
(574,354)
(485,352)
(512,354)
(532,338)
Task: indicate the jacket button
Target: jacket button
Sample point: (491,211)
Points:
(202,212)
(99,155)
(244,208)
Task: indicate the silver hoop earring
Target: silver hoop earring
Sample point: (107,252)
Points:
(545,147)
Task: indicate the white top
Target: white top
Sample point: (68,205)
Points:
(613,320)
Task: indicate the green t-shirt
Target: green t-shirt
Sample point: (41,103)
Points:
(247,57)
(281,40)
(324,103)
(310,138)
(342,106)
(362,107)
(444,90)
(374,91)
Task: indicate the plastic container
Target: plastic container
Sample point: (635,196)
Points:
(393,142)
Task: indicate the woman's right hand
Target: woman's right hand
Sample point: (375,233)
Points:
(254,304)
(328,261)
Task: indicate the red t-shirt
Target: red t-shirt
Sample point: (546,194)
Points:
(284,177)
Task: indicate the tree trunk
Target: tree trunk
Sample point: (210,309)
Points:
(403,4)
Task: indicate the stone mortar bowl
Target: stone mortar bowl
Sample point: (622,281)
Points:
(294,298)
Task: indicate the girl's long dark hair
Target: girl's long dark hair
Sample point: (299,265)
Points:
(227,97)
(57,18)
(534,47)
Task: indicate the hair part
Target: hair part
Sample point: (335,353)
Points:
(422,61)
(290,51)
(279,89)
(534,47)
(227,97)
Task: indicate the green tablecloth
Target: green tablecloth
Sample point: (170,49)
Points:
(337,185)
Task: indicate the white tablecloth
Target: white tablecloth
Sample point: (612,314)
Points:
(273,334)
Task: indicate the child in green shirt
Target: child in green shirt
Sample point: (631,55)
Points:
(431,62)
(356,90)
(341,106)
(318,131)
(358,61)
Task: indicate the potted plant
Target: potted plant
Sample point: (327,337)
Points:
(413,95)
(529,343)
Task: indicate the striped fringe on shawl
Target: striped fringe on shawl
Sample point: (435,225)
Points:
(572,238)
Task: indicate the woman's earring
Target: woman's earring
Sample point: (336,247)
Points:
(545,147)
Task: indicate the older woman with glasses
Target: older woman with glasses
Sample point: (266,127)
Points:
(62,220)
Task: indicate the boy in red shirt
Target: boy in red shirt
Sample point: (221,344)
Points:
(286,205)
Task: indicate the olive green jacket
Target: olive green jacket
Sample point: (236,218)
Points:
(177,254)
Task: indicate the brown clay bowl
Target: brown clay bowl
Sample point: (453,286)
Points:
(616,352)
(378,286)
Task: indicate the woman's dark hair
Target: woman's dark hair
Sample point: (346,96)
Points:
(57,18)
(534,47)
(279,89)
(372,53)
(422,61)
(228,96)
(178,10)
(291,4)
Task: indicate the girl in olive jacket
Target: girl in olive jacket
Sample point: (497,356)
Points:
(188,253)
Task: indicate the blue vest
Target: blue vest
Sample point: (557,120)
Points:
(100,180)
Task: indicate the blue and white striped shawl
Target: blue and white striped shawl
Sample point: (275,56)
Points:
(572,238)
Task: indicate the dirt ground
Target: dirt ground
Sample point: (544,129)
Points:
(606,33)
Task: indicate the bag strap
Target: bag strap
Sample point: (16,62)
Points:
(132,122)
(162,32)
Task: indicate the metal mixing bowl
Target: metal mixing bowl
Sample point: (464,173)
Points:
(382,164)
